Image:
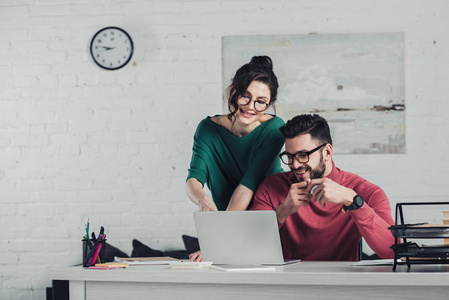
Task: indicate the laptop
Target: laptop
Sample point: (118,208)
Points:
(239,237)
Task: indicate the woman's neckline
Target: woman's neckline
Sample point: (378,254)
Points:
(217,121)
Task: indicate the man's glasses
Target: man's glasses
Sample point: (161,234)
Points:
(301,156)
(259,105)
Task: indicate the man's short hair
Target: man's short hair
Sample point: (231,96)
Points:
(313,124)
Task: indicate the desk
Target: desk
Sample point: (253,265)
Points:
(303,280)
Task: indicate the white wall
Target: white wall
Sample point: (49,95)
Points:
(77,142)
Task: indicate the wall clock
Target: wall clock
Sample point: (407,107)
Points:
(111,48)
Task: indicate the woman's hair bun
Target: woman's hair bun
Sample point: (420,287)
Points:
(263,61)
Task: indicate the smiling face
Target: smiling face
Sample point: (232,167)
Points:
(319,161)
(257,95)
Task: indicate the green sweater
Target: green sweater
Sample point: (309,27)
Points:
(224,161)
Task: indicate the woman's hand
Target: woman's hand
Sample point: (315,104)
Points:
(206,204)
(195,192)
(241,198)
(196,256)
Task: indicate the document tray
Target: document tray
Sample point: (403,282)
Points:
(412,252)
(421,230)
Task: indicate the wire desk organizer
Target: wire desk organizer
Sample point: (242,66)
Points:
(412,252)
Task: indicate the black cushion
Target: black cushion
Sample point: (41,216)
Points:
(191,243)
(141,250)
(108,252)
(179,254)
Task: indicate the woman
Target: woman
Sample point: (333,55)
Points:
(234,153)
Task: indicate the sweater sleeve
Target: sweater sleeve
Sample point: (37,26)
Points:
(262,198)
(271,193)
(200,153)
(373,220)
(265,161)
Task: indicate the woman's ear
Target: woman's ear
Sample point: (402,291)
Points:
(231,93)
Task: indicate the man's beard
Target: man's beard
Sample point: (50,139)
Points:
(314,173)
(319,170)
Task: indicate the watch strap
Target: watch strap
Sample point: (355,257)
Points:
(357,202)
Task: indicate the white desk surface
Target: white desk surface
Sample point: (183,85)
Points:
(303,280)
(305,273)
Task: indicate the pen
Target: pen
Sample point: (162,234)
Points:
(87,228)
(89,256)
(85,246)
(93,244)
(99,244)
(87,236)
(102,242)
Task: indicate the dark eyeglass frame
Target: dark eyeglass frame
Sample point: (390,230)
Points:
(255,101)
(295,155)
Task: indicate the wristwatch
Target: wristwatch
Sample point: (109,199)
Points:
(357,202)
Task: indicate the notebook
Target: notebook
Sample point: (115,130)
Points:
(239,237)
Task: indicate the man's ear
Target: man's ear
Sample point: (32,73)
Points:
(328,151)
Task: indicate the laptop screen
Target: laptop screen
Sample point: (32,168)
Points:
(239,237)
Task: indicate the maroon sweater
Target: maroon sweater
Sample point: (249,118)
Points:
(328,234)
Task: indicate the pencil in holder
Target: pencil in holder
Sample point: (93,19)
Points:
(86,247)
(92,248)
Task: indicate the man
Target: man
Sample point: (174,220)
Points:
(322,211)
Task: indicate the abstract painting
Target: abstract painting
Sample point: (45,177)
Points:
(355,81)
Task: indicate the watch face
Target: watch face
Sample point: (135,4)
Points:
(111,48)
(359,201)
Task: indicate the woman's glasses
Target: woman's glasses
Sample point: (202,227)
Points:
(259,105)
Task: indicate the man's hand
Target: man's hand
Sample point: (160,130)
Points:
(297,196)
(206,204)
(196,256)
(330,191)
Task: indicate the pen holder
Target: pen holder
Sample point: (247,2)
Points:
(91,251)
(86,248)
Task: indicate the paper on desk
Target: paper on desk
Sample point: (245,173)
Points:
(160,260)
(376,262)
(190,264)
(243,268)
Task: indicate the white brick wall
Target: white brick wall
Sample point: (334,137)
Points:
(77,142)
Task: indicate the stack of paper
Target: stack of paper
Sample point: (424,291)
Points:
(161,260)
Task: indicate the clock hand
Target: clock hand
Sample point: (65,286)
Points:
(107,48)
